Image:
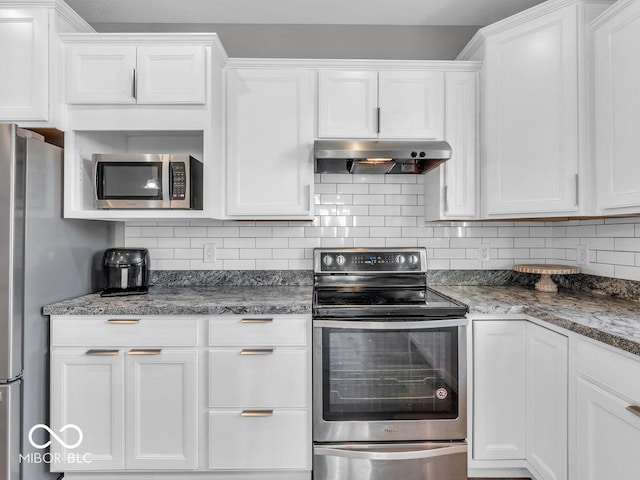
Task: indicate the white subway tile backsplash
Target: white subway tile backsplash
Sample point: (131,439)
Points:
(353,188)
(616,258)
(616,230)
(378,211)
(627,244)
(385,189)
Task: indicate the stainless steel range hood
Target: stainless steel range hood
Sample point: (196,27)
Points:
(379,156)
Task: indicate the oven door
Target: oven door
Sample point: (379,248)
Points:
(380,380)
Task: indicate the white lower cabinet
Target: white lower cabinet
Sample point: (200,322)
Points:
(546,379)
(520,382)
(607,431)
(136,408)
(189,396)
(87,390)
(499,389)
(259,393)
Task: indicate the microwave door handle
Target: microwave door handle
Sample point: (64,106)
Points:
(166,181)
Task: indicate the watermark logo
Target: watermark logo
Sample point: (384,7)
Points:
(56,458)
(56,437)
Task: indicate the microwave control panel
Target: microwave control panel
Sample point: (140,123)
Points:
(178,180)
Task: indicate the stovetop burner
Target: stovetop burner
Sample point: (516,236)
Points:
(382,282)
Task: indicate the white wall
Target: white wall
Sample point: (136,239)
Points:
(322,41)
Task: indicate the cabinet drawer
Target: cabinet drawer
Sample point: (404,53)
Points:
(278,440)
(116,330)
(257,378)
(246,331)
(609,367)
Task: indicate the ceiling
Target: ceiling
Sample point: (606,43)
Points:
(319,12)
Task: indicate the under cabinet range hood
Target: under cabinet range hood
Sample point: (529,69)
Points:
(379,156)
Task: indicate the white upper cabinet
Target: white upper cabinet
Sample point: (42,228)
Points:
(530,123)
(386,104)
(121,74)
(617,66)
(451,190)
(537,111)
(269,143)
(348,104)
(24,83)
(29,56)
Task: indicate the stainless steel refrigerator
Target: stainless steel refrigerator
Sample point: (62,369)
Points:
(43,258)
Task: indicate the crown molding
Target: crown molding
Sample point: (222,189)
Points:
(358,64)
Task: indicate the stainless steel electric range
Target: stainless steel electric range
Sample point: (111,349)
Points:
(389,374)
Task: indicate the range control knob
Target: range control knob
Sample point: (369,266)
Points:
(400,259)
(413,259)
(340,259)
(327,260)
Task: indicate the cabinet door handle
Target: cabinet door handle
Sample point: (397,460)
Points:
(96,352)
(635,409)
(445,198)
(123,321)
(256,320)
(256,351)
(146,351)
(378,110)
(257,413)
(134,81)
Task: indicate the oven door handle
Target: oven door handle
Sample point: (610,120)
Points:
(390,455)
(391,324)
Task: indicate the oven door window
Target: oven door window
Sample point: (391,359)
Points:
(390,374)
(129,181)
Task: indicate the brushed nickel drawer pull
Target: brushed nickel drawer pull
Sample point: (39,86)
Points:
(256,320)
(123,321)
(635,409)
(256,351)
(257,413)
(101,352)
(146,351)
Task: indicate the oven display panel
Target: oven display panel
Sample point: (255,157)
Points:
(371,261)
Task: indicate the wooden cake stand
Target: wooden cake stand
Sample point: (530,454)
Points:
(545,284)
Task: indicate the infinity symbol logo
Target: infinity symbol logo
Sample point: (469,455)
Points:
(57,438)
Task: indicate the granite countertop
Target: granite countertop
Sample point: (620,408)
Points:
(610,320)
(209,300)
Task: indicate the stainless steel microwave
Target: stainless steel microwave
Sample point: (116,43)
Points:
(135,180)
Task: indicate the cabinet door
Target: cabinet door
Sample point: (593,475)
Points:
(101,74)
(499,390)
(618,111)
(451,190)
(24,82)
(171,74)
(347,104)
(411,104)
(87,390)
(161,409)
(546,416)
(530,124)
(608,434)
(269,140)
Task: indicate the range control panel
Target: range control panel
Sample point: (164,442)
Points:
(369,260)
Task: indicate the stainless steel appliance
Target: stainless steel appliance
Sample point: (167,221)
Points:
(133,180)
(389,376)
(125,271)
(43,259)
(379,156)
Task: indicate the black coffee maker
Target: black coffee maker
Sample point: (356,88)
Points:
(125,271)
